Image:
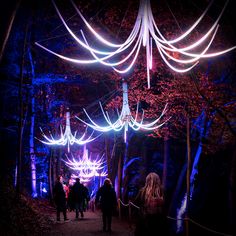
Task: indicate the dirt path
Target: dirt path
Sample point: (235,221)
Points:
(91,224)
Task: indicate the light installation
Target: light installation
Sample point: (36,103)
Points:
(85,168)
(145,32)
(66,137)
(125,118)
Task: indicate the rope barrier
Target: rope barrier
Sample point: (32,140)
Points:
(123,203)
(208,229)
(131,203)
(199,225)
(177,219)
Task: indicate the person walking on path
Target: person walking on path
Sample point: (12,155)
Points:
(60,198)
(107,201)
(150,199)
(78,197)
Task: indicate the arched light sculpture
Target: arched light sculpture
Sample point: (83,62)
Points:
(66,137)
(125,118)
(144,32)
(85,168)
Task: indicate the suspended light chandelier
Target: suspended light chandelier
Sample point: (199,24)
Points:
(144,32)
(125,118)
(85,168)
(67,137)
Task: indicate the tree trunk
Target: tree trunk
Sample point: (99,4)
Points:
(108,155)
(125,176)
(8,31)
(50,181)
(31,141)
(113,167)
(174,201)
(145,161)
(19,156)
(54,162)
(204,125)
(232,193)
(32,152)
(59,152)
(120,174)
(188,175)
(166,157)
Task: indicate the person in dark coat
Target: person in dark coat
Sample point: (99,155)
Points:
(78,198)
(60,198)
(106,198)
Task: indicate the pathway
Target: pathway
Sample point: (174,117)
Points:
(90,225)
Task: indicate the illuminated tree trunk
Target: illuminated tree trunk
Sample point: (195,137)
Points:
(50,175)
(31,142)
(21,111)
(204,125)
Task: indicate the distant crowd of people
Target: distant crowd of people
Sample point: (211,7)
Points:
(72,197)
(150,199)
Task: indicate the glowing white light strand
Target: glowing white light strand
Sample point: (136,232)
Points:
(85,167)
(67,137)
(144,31)
(125,119)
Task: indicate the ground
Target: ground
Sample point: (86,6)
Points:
(90,225)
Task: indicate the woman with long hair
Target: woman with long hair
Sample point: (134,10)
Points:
(150,199)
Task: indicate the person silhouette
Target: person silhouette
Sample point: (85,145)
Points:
(78,198)
(106,198)
(60,198)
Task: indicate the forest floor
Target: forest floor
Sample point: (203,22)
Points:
(90,225)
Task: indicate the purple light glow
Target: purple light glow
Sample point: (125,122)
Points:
(67,138)
(125,118)
(145,31)
(85,168)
